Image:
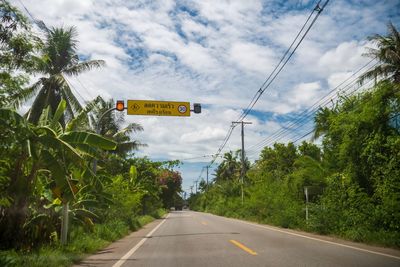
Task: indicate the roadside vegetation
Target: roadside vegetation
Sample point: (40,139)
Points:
(69,180)
(352,177)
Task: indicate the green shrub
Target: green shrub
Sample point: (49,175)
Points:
(111,230)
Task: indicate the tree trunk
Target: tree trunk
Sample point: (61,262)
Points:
(64,224)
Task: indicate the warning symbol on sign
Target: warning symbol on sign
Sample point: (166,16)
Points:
(136,107)
(158,108)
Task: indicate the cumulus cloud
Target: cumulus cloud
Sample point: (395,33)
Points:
(204,135)
(347,56)
(304,93)
(252,57)
(217,53)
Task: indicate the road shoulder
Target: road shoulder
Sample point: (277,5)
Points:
(108,256)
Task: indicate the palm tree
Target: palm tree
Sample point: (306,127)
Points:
(388,55)
(58,58)
(229,167)
(110,127)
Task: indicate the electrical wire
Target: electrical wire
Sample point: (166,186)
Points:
(223,144)
(313,129)
(311,110)
(83,86)
(72,87)
(310,130)
(366,85)
(288,131)
(268,84)
(204,156)
(261,90)
(277,70)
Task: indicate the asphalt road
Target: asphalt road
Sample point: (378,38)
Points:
(197,239)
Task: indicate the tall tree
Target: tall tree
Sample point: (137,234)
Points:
(109,125)
(17,46)
(388,55)
(58,58)
(229,168)
(278,160)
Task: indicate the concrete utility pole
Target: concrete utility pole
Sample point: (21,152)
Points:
(207,167)
(306,194)
(207,177)
(242,173)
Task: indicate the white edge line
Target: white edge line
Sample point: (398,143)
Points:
(138,245)
(315,239)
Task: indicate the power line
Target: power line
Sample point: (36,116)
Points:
(42,26)
(311,110)
(331,100)
(228,135)
(72,87)
(286,133)
(307,134)
(269,80)
(275,72)
(83,86)
(261,90)
(349,95)
(198,157)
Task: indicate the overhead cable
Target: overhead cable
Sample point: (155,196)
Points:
(320,102)
(284,60)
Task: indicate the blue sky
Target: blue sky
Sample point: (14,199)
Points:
(216,53)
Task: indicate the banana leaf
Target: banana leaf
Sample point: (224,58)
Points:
(92,139)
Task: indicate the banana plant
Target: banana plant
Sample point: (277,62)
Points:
(65,155)
(49,147)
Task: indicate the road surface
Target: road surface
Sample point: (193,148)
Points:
(187,238)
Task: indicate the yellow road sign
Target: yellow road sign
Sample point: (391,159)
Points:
(158,108)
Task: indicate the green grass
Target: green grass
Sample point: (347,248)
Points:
(81,243)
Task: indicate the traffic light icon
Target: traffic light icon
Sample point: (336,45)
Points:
(120,106)
(197,108)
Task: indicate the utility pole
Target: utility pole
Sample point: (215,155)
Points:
(196,185)
(191,190)
(242,173)
(207,177)
(306,194)
(207,187)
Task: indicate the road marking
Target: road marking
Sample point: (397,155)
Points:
(138,245)
(204,223)
(240,245)
(317,239)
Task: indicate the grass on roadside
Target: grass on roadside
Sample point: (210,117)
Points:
(81,243)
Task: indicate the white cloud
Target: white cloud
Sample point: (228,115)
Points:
(304,94)
(204,135)
(252,57)
(347,56)
(337,79)
(219,58)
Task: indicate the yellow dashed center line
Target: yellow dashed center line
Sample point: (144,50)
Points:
(240,245)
